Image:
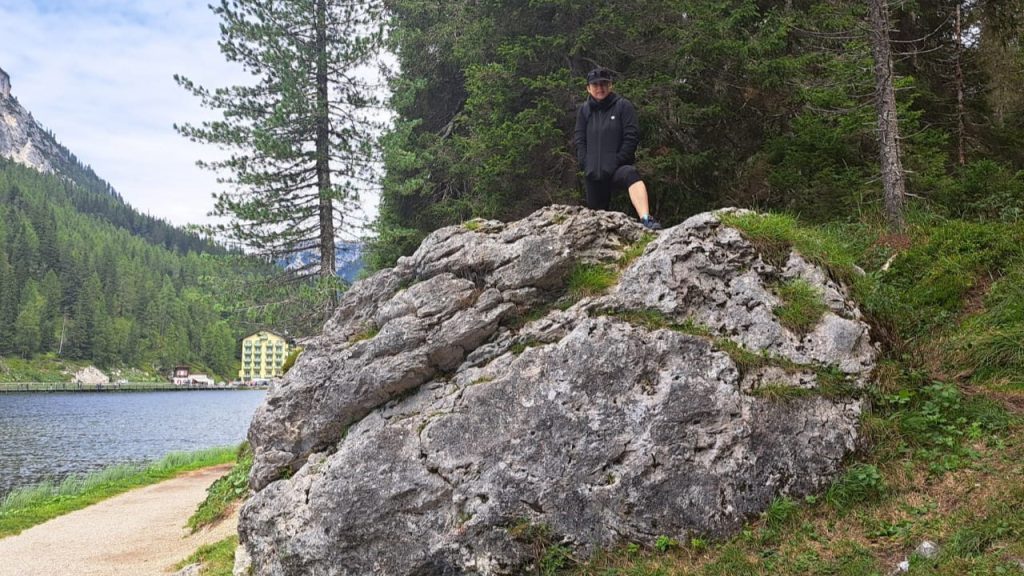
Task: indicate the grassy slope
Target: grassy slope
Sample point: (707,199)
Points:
(218,559)
(28,507)
(50,368)
(944,446)
(222,494)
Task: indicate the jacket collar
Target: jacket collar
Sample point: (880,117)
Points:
(605,104)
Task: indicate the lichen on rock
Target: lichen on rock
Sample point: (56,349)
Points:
(463,395)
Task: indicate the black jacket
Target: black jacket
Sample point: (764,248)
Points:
(607,134)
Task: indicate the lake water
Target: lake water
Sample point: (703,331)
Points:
(53,435)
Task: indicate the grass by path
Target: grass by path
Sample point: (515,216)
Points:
(227,490)
(218,559)
(27,507)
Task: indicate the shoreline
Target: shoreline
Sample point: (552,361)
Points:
(47,387)
(34,504)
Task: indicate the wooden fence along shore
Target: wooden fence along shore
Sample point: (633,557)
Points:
(6,387)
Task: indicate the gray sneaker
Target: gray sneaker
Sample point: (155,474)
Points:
(650,223)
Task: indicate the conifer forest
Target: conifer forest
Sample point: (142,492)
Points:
(829,110)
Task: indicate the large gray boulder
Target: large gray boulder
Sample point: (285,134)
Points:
(461,410)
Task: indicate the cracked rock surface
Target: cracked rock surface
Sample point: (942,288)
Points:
(461,405)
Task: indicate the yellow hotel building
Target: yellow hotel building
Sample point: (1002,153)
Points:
(263,354)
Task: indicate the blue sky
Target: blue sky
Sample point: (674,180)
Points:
(98,73)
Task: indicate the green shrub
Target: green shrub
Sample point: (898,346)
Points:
(937,418)
(293,355)
(985,189)
(664,543)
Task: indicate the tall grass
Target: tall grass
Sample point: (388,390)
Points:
(587,280)
(802,305)
(775,235)
(29,506)
(991,343)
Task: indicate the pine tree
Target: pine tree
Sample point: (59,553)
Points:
(301,136)
(27,327)
(8,305)
(51,321)
(219,347)
(83,330)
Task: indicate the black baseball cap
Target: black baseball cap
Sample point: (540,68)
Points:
(599,75)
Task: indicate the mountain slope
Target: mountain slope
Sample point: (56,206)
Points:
(25,141)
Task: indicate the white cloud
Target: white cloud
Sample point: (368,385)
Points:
(98,73)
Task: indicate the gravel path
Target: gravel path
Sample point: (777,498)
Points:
(138,533)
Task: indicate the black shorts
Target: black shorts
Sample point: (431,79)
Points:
(599,192)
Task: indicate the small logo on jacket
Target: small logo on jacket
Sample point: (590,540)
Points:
(613,117)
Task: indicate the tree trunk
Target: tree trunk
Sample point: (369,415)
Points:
(888,123)
(959,79)
(323,142)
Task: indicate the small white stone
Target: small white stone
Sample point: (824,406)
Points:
(927,549)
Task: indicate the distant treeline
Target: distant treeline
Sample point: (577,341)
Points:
(757,103)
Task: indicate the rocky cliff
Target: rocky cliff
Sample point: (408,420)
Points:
(483,398)
(5,84)
(22,139)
